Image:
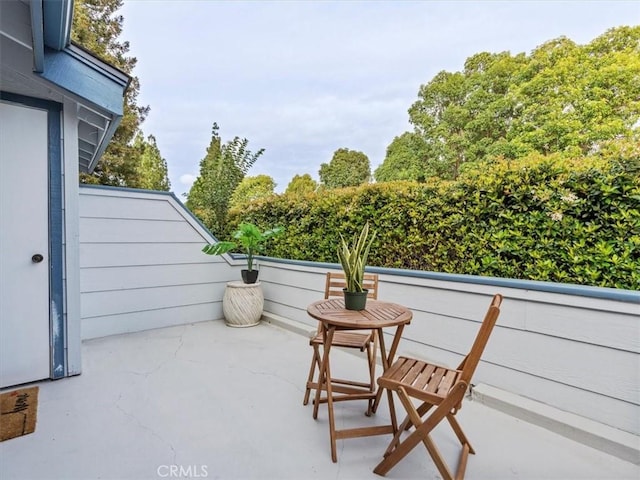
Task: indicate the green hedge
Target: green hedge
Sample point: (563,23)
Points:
(538,218)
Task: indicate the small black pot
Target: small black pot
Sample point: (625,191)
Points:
(249,276)
(355,300)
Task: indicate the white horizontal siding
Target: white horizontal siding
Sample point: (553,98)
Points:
(578,354)
(131,230)
(141,264)
(95,327)
(153,253)
(129,277)
(116,302)
(149,208)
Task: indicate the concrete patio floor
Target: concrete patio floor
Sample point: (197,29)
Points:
(208,401)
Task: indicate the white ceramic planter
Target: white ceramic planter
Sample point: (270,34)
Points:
(242,304)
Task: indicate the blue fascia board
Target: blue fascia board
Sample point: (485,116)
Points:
(37,30)
(73,69)
(66,70)
(58,15)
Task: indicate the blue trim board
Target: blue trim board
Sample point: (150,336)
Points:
(30,101)
(57,22)
(50,26)
(57,312)
(37,29)
(56,253)
(628,296)
(65,70)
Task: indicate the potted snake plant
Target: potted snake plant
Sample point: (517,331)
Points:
(251,240)
(353,258)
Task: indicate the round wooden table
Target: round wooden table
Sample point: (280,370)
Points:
(377,315)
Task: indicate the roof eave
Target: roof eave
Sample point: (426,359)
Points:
(92,82)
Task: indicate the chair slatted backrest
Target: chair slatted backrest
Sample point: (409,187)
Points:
(336,282)
(470,362)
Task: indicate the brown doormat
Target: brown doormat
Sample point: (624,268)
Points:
(18,412)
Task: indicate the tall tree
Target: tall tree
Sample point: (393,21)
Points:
(301,185)
(151,170)
(97,27)
(462,115)
(348,168)
(406,159)
(572,98)
(562,98)
(251,189)
(221,171)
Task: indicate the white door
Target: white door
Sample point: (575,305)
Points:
(24,227)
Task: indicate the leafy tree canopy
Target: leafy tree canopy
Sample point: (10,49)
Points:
(252,188)
(301,185)
(97,28)
(406,159)
(151,170)
(221,171)
(348,168)
(562,98)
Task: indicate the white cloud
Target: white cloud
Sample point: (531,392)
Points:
(187,180)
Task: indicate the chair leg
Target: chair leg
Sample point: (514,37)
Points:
(459,433)
(466,446)
(315,362)
(371,357)
(401,449)
(372,361)
(406,425)
(421,433)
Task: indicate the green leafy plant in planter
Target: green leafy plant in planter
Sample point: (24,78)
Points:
(251,240)
(353,258)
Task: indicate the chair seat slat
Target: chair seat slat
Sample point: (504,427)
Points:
(413,373)
(434,383)
(346,339)
(391,371)
(425,377)
(447,382)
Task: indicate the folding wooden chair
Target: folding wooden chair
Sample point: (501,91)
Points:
(365,341)
(433,386)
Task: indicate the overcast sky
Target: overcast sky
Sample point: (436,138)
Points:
(302,79)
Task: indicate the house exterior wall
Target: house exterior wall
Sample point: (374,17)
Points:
(39,68)
(141,266)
